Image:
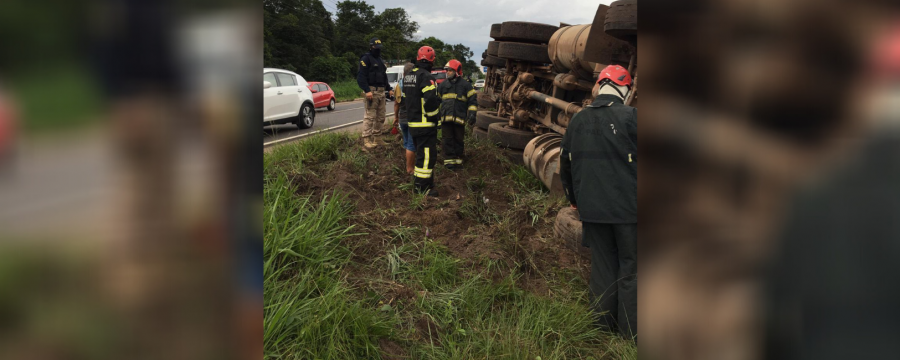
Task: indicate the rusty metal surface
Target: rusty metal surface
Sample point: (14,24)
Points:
(541,157)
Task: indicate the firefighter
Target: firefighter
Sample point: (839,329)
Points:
(598,169)
(422,107)
(372,79)
(458,107)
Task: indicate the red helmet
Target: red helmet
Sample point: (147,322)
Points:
(426,53)
(455,65)
(617,74)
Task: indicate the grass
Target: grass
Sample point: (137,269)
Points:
(73,100)
(315,310)
(346,90)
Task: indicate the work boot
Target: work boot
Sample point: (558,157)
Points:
(432,192)
(368,143)
(379,141)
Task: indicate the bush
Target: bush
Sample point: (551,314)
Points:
(329,69)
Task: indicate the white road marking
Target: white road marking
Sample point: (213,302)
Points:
(316,132)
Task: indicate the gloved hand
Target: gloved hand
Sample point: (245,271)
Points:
(471,119)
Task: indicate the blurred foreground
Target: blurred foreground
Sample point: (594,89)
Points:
(748,106)
(129,211)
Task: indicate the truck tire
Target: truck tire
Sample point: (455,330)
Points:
(484,119)
(568,228)
(491,60)
(503,135)
(485,101)
(524,52)
(479,134)
(621,20)
(495,31)
(492,47)
(527,32)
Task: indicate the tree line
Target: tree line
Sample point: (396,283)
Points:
(304,37)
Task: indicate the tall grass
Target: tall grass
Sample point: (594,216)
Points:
(346,90)
(313,312)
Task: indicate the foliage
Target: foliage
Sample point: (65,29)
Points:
(303,36)
(328,69)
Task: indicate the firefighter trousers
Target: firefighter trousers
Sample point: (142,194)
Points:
(613,280)
(425,141)
(453,146)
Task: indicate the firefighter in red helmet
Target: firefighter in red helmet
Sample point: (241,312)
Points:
(422,107)
(458,107)
(598,169)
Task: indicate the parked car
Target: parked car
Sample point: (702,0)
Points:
(439,75)
(479,84)
(393,77)
(287,99)
(323,96)
(8,128)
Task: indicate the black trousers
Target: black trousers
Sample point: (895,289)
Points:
(613,274)
(453,146)
(425,140)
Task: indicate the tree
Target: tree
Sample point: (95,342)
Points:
(355,21)
(328,69)
(397,18)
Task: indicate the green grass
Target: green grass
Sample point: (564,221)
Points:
(315,310)
(56,98)
(346,90)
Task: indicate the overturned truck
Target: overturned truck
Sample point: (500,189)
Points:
(541,75)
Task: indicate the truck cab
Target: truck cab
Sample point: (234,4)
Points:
(394,73)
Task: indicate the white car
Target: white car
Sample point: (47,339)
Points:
(479,84)
(393,77)
(287,99)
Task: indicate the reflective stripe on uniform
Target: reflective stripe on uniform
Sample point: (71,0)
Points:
(421,125)
(453,118)
(429,87)
(472,107)
(471,92)
(448,96)
(453,161)
(427,157)
(421,175)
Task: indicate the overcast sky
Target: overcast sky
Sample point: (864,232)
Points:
(468,22)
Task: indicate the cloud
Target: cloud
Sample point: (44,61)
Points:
(468,22)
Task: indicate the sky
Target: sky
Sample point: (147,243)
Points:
(468,22)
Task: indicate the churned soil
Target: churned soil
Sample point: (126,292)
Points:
(523,242)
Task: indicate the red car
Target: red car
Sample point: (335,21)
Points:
(322,94)
(8,125)
(439,75)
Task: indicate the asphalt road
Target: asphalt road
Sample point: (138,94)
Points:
(344,113)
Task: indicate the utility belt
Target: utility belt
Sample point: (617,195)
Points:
(381,88)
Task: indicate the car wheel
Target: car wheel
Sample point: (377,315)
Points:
(307,117)
(331,105)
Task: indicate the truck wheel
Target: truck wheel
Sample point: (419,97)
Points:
(527,32)
(621,20)
(495,31)
(524,52)
(492,47)
(568,228)
(484,119)
(491,60)
(485,101)
(503,135)
(479,133)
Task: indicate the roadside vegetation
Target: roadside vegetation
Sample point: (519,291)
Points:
(357,266)
(346,90)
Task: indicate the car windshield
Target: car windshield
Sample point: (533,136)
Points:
(392,77)
(440,75)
